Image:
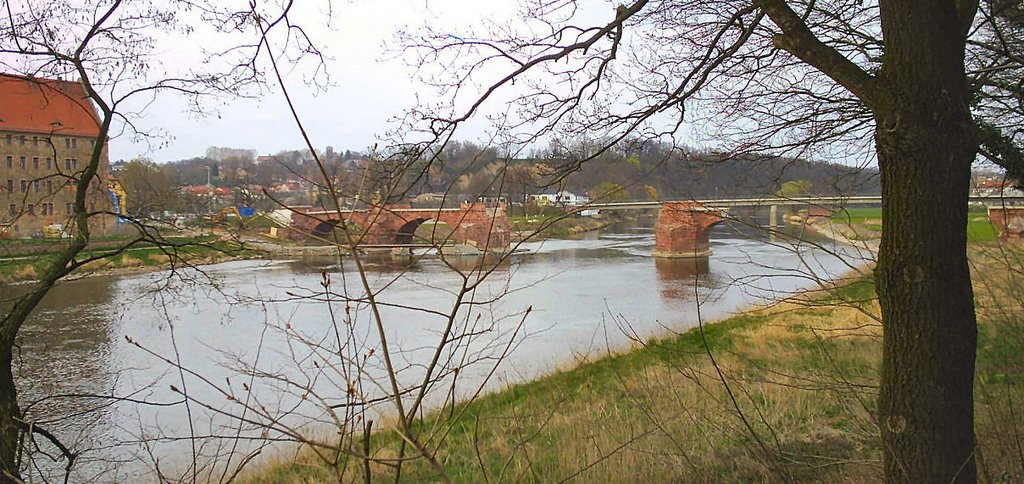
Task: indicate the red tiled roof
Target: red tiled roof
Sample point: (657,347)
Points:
(39,105)
(992,184)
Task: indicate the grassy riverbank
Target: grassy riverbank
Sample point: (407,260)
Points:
(785,393)
(138,258)
(979,228)
(556,226)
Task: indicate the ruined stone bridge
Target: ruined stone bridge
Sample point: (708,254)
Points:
(484,227)
(682,229)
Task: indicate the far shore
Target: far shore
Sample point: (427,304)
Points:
(265,248)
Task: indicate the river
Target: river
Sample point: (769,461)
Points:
(102,352)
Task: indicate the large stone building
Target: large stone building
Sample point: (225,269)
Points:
(48,130)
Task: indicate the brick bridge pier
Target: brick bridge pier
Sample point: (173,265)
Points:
(1009,220)
(682,230)
(484,227)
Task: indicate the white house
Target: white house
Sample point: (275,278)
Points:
(561,198)
(566,200)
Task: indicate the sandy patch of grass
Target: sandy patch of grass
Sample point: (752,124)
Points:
(158,259)
(26,272)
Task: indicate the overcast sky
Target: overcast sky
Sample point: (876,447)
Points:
(369,86)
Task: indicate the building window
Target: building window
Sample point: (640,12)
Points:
(35,141)
(92,143)
(70,207)
(49,186)
(67,142)
(49,163)
(21,161)
(10,139)
(36,185)
(22,138)
(10,185)
(67,163)
(10,161)
(30,209)
(74,142)
(24,186)
(12,208)
(35,162)
(74,164)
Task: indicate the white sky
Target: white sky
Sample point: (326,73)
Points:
(369,86)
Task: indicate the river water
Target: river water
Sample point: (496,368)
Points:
(258,341)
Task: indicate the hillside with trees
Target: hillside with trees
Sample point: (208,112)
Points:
(465,170)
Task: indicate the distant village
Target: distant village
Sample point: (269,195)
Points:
(241,179)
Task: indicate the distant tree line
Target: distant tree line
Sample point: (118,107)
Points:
(466,170)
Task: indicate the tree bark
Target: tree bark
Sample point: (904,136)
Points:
(924,288)
(10,434)
(926,144)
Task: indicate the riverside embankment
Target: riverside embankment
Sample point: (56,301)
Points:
(782,393)
(24,261)
(588,297)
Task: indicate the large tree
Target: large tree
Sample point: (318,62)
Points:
(861,82)
(148,190)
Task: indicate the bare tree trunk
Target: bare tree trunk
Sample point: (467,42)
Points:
(9,432)
(924,287)
(926,144)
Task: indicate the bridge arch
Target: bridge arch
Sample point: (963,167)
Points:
(325,228)
(406,234)
(484,227)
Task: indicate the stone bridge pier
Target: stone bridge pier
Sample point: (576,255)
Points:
(682,230)
(1009,221)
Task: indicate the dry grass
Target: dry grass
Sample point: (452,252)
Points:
(998,273)
(789,396)
(95,265)
(129,261)
(26,272)
(158,259)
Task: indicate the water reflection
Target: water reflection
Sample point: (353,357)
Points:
(65,368)
(69,339)
(677,276)
(391,262)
